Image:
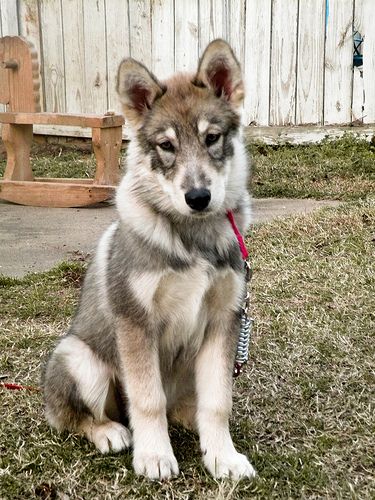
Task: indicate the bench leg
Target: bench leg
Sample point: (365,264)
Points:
(17,141)
(107,145)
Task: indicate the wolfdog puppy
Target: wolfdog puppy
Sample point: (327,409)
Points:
(155,334)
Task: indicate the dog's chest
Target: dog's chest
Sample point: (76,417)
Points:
(184,301)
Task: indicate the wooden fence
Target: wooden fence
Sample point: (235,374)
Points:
(297,55)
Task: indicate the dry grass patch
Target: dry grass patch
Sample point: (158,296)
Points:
(303,412)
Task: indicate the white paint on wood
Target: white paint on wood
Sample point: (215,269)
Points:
(338,62)
(256,68)
(95,56)
(53,55)
(368,16)
(163,38)
(283,62)
(8,18)
(186,35)
(140,31)
(72,12)
(235,22)
(211,22)
(310,61)
(118,45)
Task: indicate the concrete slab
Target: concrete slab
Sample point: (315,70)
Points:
(35,239)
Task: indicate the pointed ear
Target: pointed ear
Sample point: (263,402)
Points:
(220,70)
(137,89)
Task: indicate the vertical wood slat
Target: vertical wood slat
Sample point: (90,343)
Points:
(140,31)
(236,27)
(256,67)
(358,85)
(310,62)
(73,35)
(283,62)
(211,22)
(8,18)
(338,63)
(162,21)
(53,55)
(29,24)
(186,35)
(368,16)
(118,45)
(95,56)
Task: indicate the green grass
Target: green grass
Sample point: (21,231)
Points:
(303,411)
(341,169)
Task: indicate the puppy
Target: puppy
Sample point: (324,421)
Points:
(155,333)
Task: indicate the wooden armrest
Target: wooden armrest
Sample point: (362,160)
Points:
(93,121)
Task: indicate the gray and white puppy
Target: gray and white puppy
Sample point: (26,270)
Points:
(155,333)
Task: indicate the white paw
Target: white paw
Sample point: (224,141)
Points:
(154,465)
(232,465)
(110,436)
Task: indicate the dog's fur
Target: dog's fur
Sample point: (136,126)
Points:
(157,326)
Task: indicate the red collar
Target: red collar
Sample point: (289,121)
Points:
(244,252)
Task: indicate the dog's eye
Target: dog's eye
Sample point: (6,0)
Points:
(212,138)
(166,146)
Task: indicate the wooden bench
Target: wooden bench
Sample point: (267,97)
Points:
(19,90)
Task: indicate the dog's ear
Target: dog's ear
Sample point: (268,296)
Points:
(137,89)
(220,70)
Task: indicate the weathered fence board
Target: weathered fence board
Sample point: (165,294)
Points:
(297,55)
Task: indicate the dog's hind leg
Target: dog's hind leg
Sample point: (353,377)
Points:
(78,391)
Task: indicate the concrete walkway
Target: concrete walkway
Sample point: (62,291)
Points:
(34,239)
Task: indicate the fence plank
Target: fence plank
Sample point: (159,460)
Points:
(95,56)
(53,55)
(368,16)
(358,85)
(186,35)
(29,21)
(236,21)
(74,55)
(339,62)
(8,18)
(283,62)
(310,61)
(118,45)
(257,61)
(163,38)
(211,22)
(140,31)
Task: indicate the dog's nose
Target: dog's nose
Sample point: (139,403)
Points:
(198,199)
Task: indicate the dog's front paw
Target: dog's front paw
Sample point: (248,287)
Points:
(109,436)
(155,466)
(230,464)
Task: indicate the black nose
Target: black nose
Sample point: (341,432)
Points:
(198,199)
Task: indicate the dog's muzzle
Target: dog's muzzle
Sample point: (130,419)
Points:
(198,199)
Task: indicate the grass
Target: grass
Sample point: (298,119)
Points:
(303,411)
(341,169)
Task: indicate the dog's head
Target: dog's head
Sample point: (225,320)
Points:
(186,131)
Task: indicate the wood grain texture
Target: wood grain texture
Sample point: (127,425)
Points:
(140,31)
(256,68)
(8,18)
(212,22)
(283,62)
(95,56)
(53,55)
(235,27)
(84,120)
(17,141)
(338,62)
(163,38)
(118,45)
(29,22)
(368,30)
(72,13)
(186,35)
(107,145)
(310,61)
